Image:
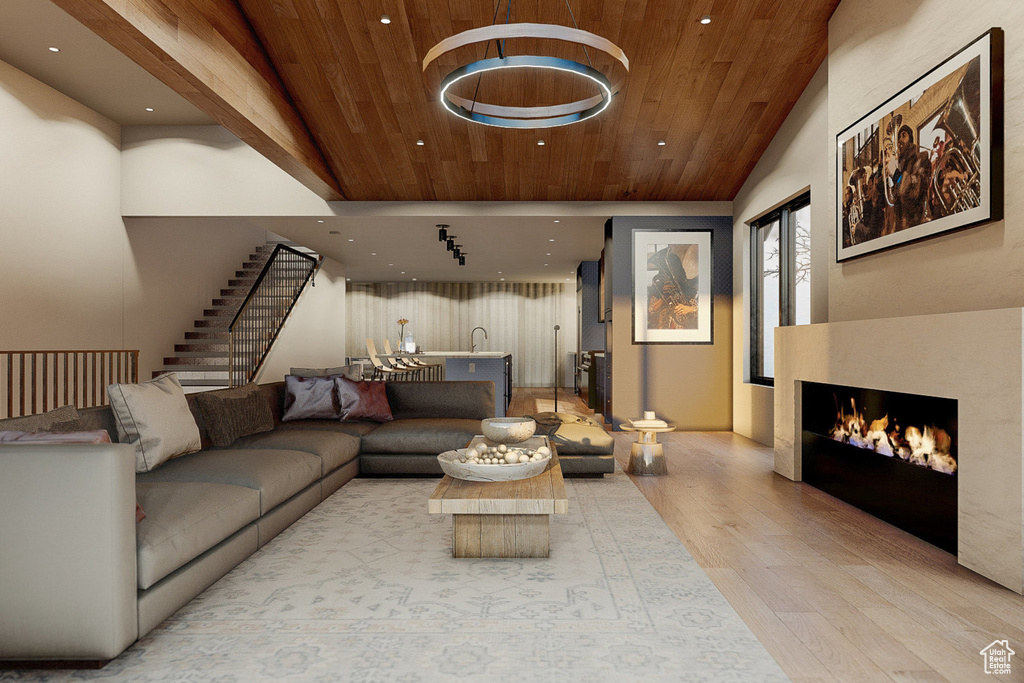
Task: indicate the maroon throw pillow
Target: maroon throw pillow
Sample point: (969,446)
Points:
(363,400)
(309,398)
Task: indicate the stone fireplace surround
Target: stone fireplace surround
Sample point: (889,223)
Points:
(974,357)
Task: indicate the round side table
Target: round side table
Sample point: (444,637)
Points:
(646,456)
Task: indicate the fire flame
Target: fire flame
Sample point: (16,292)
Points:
(928,448)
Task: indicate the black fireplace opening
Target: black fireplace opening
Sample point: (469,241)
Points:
(891,454)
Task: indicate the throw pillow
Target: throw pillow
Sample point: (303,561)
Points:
(154,417)
(363,400)
(65,416)
(309,398)
(233,413)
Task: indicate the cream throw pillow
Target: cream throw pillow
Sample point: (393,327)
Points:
(154,417)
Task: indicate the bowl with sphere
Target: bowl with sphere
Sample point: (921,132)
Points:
(508,429)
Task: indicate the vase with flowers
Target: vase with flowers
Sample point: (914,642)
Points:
(402,322)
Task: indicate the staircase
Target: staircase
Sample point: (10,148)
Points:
(241,325)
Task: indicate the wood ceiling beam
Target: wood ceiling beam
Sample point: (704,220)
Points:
(208,53)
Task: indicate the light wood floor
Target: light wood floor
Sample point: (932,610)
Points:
(833,593)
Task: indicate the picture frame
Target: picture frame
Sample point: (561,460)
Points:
(673,302)
(891,189)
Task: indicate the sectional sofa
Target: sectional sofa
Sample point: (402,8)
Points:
(82,580)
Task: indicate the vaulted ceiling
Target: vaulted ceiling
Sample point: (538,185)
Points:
(338,99)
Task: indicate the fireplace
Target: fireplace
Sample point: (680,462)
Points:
(891,454)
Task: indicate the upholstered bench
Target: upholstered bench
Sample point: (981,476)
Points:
(584,447)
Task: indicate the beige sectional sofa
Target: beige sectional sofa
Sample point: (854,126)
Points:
(81,580)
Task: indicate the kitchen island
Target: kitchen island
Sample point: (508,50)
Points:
(480,366)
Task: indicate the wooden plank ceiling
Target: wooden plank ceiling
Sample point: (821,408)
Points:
(716,94)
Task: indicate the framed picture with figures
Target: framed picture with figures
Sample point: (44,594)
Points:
(672,297)
(927,160)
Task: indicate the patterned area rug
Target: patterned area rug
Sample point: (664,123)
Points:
(364,588)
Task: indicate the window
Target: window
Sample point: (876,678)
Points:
(780,250)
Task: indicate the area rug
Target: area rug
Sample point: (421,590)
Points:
(364,588)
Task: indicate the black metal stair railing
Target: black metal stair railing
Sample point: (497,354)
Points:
(259,320)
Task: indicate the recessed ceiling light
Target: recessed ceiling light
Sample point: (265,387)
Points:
(403,272)
(558,221)
(549,253)
(499,272)
(551,240)
(391,264)
(320,221)
(540,143)
(706,19)
(385,19)
(373,253)
(334,232)
(502,279)
(348,279)
(661,143)
(420,143)
(53,49)
(545,264)
(351,240)
(149,108)
(414,279)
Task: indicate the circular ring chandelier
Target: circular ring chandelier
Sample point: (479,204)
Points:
(527,117)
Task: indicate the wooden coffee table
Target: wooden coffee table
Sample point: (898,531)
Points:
(506,518)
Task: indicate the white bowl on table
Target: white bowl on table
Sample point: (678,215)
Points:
(508,429)
(449,461)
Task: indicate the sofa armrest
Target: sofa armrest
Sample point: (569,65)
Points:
(68,561)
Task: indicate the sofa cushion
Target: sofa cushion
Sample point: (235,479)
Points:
(574,434)
(63,419)
(357,428)
(362,400)
(441,399)
(234,413)
(155,418)
(184,520)
(309,398)
(276,474)
(353,372)
(333,448)
(421,435)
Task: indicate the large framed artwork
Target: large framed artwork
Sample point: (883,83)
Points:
(672,298)
(929,159)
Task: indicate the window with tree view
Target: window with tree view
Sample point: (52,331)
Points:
(780,282)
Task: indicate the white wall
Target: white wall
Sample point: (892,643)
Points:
(205,171)
(876,48)
(174,268)
(795,160)
(75,275)
(61,234)
(314,335)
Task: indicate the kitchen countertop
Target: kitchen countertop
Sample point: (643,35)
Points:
(462,354)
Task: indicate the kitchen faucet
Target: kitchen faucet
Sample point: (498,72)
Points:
(472,345)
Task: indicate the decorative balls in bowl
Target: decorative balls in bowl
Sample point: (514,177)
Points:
(508,429)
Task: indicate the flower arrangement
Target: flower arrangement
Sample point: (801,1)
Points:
(401,334)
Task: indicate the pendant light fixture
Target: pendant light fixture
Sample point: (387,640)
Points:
(519,116)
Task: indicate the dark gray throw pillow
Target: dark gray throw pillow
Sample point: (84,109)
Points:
(231,414)
(309,398)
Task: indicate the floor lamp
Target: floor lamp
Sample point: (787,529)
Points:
(556,367)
